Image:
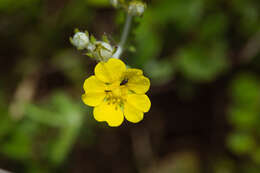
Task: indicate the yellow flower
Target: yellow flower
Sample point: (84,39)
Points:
(116,92)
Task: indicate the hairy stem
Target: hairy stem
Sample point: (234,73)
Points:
(124,36)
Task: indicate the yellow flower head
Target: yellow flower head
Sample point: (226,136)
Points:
(116,92)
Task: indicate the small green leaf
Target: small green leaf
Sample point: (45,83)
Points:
(241,143)
(93,39)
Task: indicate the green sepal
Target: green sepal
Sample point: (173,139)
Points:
(105,39)
(114,50)
(76,30)
(89,54)
(87,33)
(92,39)
(71,40)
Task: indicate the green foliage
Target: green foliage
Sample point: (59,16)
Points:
(61,114)
(148,41)
(201,64)
(185,14)
(214,27)
(195,42)
(162,71)
(244,114)
(250,84)
(244,111)
(241,143)
(12,5)
(68,62)
(223,166)
(248,12)
(202,59)
(98,3)
(22,137)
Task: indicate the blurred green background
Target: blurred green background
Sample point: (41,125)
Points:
(204,64)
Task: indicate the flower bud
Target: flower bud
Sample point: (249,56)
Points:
(80,40)
(91,47)
(114,3)
(103,51)
(136,8)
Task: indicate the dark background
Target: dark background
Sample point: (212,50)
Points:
(203,61)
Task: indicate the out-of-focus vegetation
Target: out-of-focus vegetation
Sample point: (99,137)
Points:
(204,64)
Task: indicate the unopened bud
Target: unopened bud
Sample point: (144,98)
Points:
(136,8)
(80,40)
(91,47)
(103,51)
(114,3)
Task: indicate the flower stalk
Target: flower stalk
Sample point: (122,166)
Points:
(124,36)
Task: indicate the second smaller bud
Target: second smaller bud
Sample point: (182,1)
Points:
(136,8)
(115,3)
(80,40)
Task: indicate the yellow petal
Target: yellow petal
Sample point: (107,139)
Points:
(110,71)
(138,84)
(130,72)
(140,102)
(93,99)
(93,85)
(110,113)
(132,114)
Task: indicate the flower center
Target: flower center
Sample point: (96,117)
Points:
(116,94)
